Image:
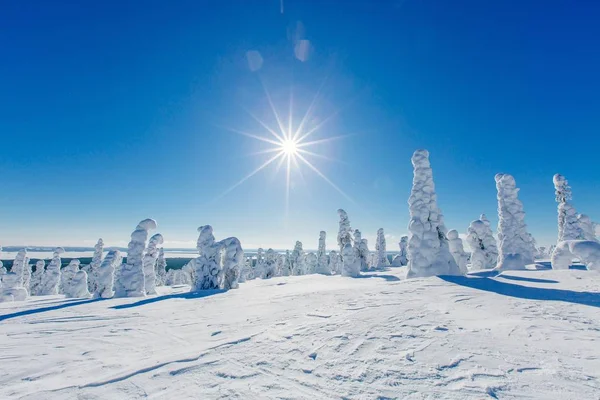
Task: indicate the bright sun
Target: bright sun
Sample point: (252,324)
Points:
(289,146)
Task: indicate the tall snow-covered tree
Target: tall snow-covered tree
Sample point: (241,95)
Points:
(19,266)
(67,274)
(129,282)
(208,274)
(149,263)
(105,278)
(95,265)
(310,263)
(36,278)
(335,262)
(402,258)
(271,265)
(287,264)
(484,253)
(259,266)
(51,278)
(322,260)
(457,250)
(361,250)
(586,228)
(297,260)
(345,232)
(231,263)
(381,260)
(428,250)
(351,266)
(516,248)
(161,268)
(568,226)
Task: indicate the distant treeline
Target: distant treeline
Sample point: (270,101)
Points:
(172,263)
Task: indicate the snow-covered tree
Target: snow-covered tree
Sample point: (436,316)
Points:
(232,260)
(322,260)
(246,272)
(345,232)
(361,248)
(457,250)
(51,278)
(516,248)
(287,264)
(18,266)
(67,274)
(95,265)
(402,258)
(12,289)
(36,277)
(335,262)
(149,263)
(297,260)
(106,275)
(587,251)
(207,272)
(351,262)
(271,265)
(543,252)
(428,251)
(477,238)
(77,287)
(586,228)
(381,260)
(130,282)
(27,275)
(310,263)
(161,268)
(259,266)
(568,226)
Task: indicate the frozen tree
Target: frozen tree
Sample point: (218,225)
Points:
(322,261)
(27,275)
(587,251)
(232,260)
(51,278)
(361,249)
(287,264)
(428,251)
(207,272)
(95,265)
(335,262)
(402,258)
(161,268)
(149,263)
(270,265)
(381,260)
(77,287)
(568,227)
(586,227)
(484,251)
(344,232)
(12,289)
(130,282)
(310,263)
(18,266)
(297,260)
(67,274)
(246,271)
(457,250)
(106,274)
(260,263)
(351,262)
(543,253)
(36,277)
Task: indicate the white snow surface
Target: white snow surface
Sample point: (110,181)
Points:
(522,334)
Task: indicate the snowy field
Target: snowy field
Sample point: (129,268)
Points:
(529,334)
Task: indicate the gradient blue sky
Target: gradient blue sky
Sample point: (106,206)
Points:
(113,111)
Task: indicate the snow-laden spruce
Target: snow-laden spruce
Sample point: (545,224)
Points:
(587,251)
(12,288)
(259,266)
(77,286)
(95,265)
(484,252)
(322,260)
(310,263)
(67,274)
(351,266)
(568,226)
(179,277)
(361,250)
(232,260)
(287,264)
(297,260)
(18,266)
(106,274)
(27,275)
(51,278)
(345,232)
(402,258)
(587,230)
(36,278)
(149,262)
(335,262)
(161,268)
(516,248)
(381,259)
(130,282)
(428,251)
(457,250)
(271,265)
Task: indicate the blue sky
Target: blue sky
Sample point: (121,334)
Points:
(112,112)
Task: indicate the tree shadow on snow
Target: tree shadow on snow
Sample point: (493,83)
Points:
(67,304)
(187,295)
(389,278)
(524,279)
(525,292)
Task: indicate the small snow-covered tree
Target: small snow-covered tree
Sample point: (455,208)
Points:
(402,258)
(130,280)
(361,248)
(106,275)
(149,263)
(335,262)
(27,275)
(51,278)
(345,232)
(232,260)
(457,250)
(67,274)
(297,260)
(36,277)
(287,264)
(516,248)
(484,253)
(586,228)
(18,266)
(271,265)
(208,274)
(310,262)
(259,266)
(161,268)
(428,251)
(322,261)
(381,260)
(77,287)
(95,265)
(351,262)
(12,289)
(568,227)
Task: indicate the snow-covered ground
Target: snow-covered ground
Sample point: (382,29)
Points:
(528,334)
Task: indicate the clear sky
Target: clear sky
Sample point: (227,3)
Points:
(116,111)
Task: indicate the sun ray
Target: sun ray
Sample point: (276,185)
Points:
(288,134)
(287,186)
(309,111)
(316,170)
(275,113)
(329,139)
(316,128)
(264,125)
(250,135)
(310,153)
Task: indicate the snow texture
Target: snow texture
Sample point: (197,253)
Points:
(95,266)
(402,258)
(297,260)
(149,262)
(161,268)
(484,251)
(106,275)
(568,226)
(381,260)
(516,248)
(51,278)
(130,282)
(323,262)
(428,251)
(586,251)
(345,232)
(457,250)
